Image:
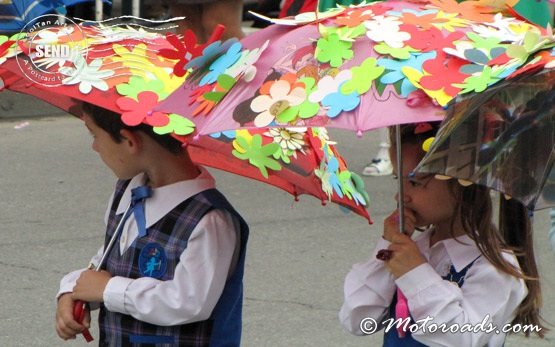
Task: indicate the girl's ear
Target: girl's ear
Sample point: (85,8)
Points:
(132,139)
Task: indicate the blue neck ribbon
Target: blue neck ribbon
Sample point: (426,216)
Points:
(138,196)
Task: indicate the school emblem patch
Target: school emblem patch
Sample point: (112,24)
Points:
(153,261)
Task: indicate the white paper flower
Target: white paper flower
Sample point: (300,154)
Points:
(288,138)
(281,97)
(87,75)
(328,85)
(386,29)
(246,64)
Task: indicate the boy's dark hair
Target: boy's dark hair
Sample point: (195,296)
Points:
(111,122)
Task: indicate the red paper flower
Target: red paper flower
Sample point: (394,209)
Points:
(141,110)
(431,39)
(5,47)
(184,52)
(443,72)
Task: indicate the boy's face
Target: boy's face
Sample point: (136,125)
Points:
(112,153)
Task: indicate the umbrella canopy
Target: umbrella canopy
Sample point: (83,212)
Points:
(356,68)
(503,138)
(122,69)
(16,14)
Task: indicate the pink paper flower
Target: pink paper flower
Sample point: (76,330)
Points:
(141,110)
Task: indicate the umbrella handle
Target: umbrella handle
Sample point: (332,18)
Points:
(79,309)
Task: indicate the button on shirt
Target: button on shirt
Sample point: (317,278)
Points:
(191,295)
(369,288)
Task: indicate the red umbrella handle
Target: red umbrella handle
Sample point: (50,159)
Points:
(79,315)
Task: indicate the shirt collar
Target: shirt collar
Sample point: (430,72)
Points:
(166,198)
(461,250)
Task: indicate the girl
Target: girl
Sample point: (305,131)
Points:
(460,271)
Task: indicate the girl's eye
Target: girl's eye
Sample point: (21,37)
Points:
(414,183)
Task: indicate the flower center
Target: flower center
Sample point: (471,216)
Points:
(285,135)
(278,107)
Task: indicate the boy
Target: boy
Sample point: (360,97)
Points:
(174,276)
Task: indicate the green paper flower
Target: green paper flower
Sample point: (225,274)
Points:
(177,124)
(257,154)
(486,43)
(306,109)
(333,50)
(402,53)
(224,84)
(479,82)
(138,84)
(363,76)
(532,43)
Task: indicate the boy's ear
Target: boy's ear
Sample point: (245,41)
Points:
(132,139)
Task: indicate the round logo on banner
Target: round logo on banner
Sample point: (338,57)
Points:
(54,50)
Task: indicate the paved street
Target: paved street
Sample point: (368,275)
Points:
(54,192)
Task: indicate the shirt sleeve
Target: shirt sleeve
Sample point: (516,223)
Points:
(488,299)
(369,288)
(198,282)
(68,281)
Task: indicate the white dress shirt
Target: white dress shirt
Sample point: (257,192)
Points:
(369,288)
(201,274)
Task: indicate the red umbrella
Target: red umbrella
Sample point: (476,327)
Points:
(129,71)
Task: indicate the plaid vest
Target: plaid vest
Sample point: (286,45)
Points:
(172,233)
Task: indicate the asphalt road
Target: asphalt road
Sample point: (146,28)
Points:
(54,191)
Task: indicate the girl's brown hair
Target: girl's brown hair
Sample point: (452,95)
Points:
(474,207)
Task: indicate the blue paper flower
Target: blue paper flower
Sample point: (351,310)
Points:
(395,74)
(338,102)
(221,64)
(230,134)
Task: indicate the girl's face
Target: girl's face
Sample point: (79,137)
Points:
(429,199)
(112,153)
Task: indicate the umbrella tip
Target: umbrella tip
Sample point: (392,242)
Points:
(359,133)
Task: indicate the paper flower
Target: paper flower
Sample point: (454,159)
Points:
(137,84)
(354,18)
(282,95)
(387,30)
(223,62)
(478,83)
(304,110)
(329,84)
(88,76)
(250,148)
(288,138)
(362,77)
(333,50)
(395,73)
(184,51)
(140,111)
(177,124)
(339,102)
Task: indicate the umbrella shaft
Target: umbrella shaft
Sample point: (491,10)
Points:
(112,242)
(400,180)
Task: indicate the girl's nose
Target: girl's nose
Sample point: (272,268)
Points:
(406,198)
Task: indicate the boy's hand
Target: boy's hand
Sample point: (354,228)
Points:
(405,254)
(66,327)
(90,286)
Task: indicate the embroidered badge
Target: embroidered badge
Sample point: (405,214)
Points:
(153,261)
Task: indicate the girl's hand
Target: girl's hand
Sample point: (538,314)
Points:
(66,327)
(405,255)
(391,224)
(90,286)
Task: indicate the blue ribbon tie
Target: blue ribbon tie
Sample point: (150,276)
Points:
(138,196)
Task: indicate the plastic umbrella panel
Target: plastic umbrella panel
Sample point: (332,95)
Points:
(503,138)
